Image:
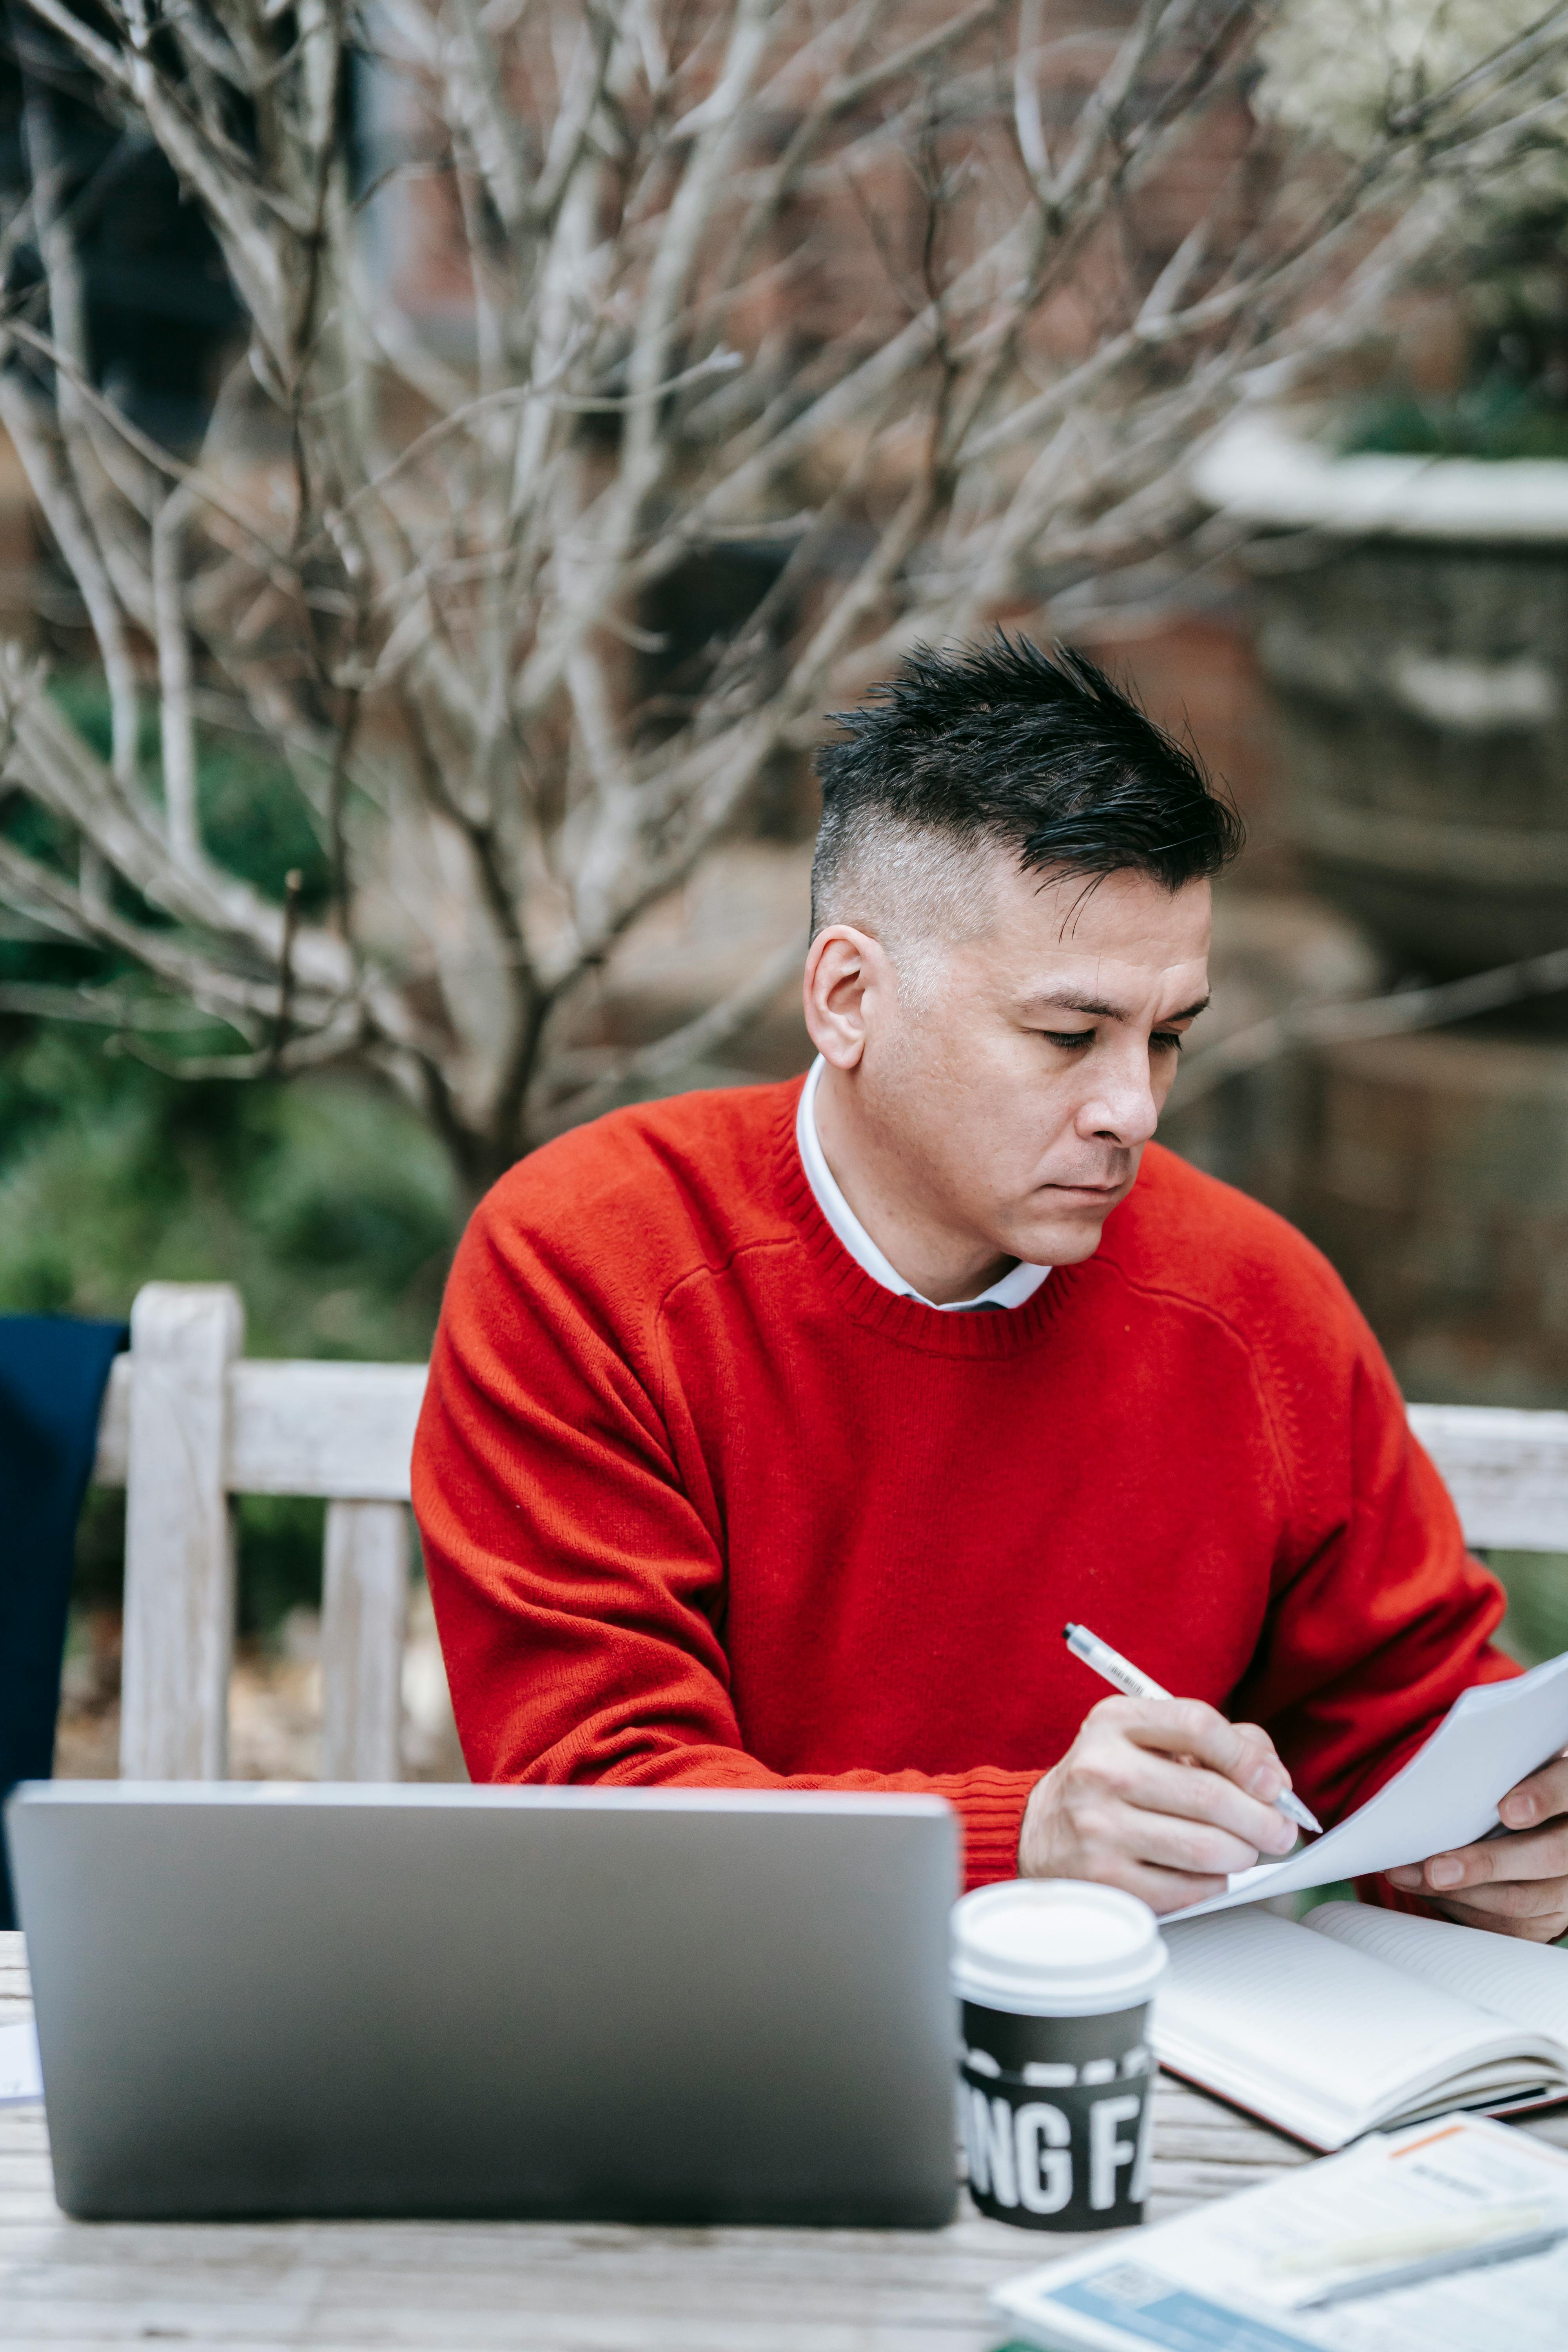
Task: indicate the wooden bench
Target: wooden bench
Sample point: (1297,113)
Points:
(189,1422)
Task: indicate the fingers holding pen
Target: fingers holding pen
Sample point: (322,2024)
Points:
(1150,1811)
(1227,1773)
(1076,1825)
(1236,1829)
(1148,1798)
(1199,1742)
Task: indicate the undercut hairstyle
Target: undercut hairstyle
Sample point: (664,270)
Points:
(1001,745)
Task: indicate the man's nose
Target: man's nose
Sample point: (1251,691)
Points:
(1121,1109)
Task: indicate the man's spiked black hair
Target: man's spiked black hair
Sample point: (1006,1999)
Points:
(1040,753)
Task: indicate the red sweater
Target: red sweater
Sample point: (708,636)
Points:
(702,1503)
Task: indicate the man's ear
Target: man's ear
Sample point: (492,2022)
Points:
(844,968)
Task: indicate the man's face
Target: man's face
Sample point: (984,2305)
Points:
(1014,1086)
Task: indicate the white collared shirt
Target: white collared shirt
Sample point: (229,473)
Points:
(1013,1288)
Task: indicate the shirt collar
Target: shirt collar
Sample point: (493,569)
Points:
(1013,1288)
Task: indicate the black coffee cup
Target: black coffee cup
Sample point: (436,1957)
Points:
(1054,1978)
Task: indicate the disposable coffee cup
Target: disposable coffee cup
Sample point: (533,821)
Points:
(1055,1978)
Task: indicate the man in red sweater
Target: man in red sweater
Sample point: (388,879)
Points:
(773,1434)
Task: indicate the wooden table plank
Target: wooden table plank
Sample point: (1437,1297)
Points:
(522,2286)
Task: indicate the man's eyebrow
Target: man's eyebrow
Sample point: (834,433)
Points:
(1090,1005)
(1098,1011)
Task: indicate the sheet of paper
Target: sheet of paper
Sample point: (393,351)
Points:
(1233,2276)
(1528,1982)
(1446,1795)
(21,2077)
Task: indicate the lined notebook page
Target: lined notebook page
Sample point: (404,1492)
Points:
(1527,1982)
(1253,2001)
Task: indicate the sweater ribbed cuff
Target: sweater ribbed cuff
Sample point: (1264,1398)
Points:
(990,1807)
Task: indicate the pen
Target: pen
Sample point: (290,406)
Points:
(1411,2241)
(1119,1672)
(1471,2257)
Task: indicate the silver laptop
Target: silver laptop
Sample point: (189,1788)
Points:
(272,1998)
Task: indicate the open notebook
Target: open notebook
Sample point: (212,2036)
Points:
(1357,2018)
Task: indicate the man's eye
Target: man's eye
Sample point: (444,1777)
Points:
(1166,1041)
(1071,1038)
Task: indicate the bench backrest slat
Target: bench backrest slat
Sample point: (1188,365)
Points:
(187,1424)
(179,1533)
(342,1431)
(1507,1471)
(365,1620)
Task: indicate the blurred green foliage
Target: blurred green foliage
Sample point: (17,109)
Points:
(1498,418)
(328,1206)
(327,1202)
(1536,1626)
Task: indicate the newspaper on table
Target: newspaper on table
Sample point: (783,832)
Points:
(21,2077)
(1241,2275)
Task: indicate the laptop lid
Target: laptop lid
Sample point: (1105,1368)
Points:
(687,2006)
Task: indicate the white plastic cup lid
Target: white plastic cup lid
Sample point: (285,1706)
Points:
(1055,1947)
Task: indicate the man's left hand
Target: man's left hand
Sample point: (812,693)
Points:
(1518,1884)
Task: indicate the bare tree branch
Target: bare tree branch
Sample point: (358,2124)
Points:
(1401,1014)
(695,1041)
(608,317)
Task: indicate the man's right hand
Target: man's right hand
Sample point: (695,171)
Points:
(1162,1797)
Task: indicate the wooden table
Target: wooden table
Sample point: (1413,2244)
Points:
(538,2286)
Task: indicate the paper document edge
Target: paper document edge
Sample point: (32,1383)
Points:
(1266,1879)
(24,2034)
